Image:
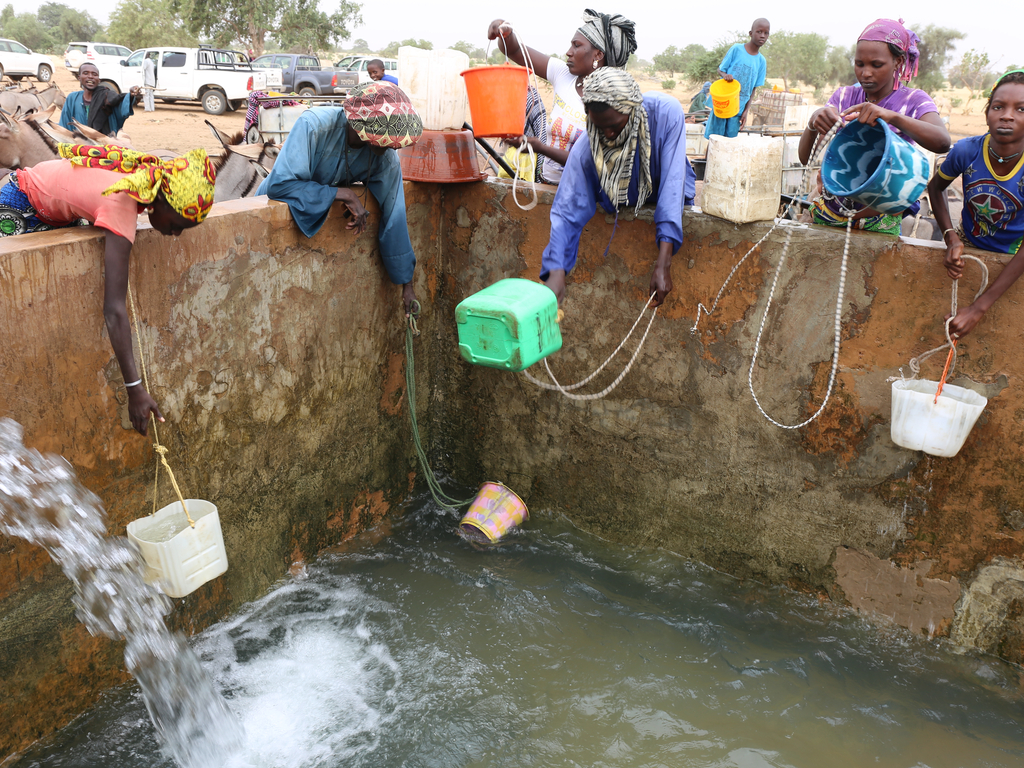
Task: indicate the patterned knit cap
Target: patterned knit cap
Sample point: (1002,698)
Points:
(382,114)
(186,182)
(614,159)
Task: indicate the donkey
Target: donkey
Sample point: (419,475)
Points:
(27,100)
(245,165)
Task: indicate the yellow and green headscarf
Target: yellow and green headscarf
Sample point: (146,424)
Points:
(186,182)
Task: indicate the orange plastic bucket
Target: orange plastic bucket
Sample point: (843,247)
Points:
(497,100)
(725,98)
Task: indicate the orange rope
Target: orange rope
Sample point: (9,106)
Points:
(945,370)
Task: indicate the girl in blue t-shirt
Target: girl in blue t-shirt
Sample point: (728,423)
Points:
(992,167)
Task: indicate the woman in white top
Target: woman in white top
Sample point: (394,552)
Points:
(603,40)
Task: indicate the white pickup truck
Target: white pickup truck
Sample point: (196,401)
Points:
(219,79)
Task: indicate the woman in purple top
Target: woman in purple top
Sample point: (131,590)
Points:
(885,60)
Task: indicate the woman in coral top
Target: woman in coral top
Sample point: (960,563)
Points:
(108,187)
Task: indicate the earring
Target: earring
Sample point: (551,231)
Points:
(595,63)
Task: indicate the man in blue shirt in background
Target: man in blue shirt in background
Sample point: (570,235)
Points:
(96,105)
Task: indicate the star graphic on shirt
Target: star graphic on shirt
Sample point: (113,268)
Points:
(970,170)
(988,208)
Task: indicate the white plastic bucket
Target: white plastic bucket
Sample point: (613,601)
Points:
(179,558)
(937,428)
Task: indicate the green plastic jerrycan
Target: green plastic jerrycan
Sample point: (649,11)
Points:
(510,325)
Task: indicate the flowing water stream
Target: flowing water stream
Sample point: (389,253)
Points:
(410,648)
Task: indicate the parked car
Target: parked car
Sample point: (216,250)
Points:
(390,67)
(303,75)
(100,54)
(219,79)
(17,61)
(347,60)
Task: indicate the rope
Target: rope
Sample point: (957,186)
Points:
(566,389)
(915,362)
(443,499)
(530,153)
(820,143)
(160,450)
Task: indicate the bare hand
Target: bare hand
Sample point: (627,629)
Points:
(498,28)
(727,77)
(965,320)
(355,208)
(140,405)
(409,299)
(868,113)
(661,283)
(823,120)
(953,260)
(556,282)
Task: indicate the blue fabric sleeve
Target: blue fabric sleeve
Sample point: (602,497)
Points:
(957,160)
(574,205)
(124,110)
(71,105)
(763,62)
(385,185)
(290,180)
(670,148)
(728,60)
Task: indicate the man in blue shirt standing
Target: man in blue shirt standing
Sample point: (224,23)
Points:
(745,63)
(635,154)
(96,105)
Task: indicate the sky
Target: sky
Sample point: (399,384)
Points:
(548,26)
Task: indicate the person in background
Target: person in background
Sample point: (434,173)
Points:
(745,63)
(604,40)
(331,148)
(635,153)
(992,167)
(375,69)
(885,60)
(96,105)
(699,103)
(109,187)
(149,82)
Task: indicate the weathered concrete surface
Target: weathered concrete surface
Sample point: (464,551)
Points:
(278,363)
(679,457)
(991,612)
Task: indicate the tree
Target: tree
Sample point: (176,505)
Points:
(145,23)
(705,66)
(360,46)
(839,65)
(668,61)
(972,73)
(249,22)
(6,15)
(28,30)
(474,52)
(391,51)
(936,49)
(799,56)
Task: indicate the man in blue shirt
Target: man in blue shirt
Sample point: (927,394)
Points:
(375,69)
(331,148)
(635,153)
(96,105)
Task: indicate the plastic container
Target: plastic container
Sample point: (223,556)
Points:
(725,98)
(743,178)
(276,123)
(696,144)
(431,80)
(937,428)
(441,156)
(179,558)
(510,325)
(497,100)
(875,167)
(495,511)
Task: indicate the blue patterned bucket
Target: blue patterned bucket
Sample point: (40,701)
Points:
(875,167)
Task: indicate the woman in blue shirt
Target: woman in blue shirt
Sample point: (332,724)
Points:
(635,153)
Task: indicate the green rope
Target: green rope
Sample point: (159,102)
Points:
(439,495)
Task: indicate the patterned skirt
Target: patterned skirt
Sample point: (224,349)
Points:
(17,216)
(886,223)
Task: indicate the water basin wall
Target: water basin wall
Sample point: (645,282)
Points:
(279,364)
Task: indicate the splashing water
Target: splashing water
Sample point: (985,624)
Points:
(42,502)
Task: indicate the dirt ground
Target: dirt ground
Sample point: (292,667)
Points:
(180,127)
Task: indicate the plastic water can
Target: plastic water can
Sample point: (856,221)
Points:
(179,558)
(937,428)
(875,167)
(725,98)
(743,178)
(511,325)
(495,511)
(432,81)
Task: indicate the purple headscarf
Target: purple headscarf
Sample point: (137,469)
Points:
(889,31)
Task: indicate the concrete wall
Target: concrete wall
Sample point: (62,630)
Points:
(279,364)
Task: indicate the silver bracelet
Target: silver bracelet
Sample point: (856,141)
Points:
(133,384)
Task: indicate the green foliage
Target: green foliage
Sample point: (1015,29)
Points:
(6,15)
(391,50)
(359,45)
(473,51)
(971,72)
(936,49)
(668,85)
(839,66)
(28,30)
(145,23)
(674,60)
(798,56)
(705,66)
(299,24)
